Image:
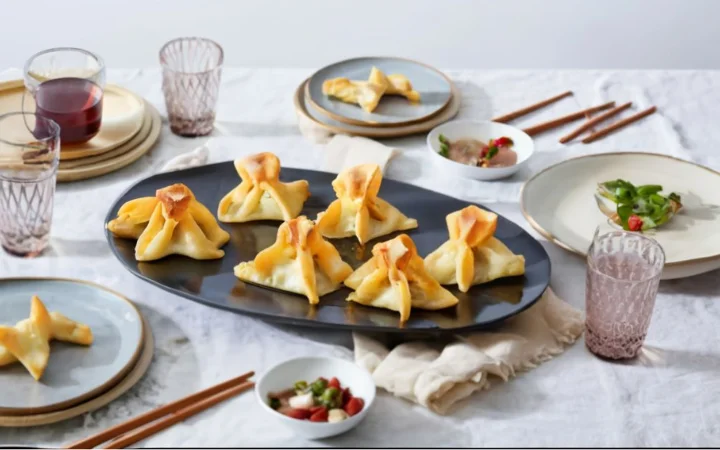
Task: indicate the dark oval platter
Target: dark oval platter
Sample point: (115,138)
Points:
(214,284)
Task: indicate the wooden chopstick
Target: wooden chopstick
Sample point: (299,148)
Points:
(159,425)
(521,112)
(616,126)
(594,121)
(172,407)
(549,125)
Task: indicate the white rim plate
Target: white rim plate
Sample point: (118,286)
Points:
(559,203)
(74,372)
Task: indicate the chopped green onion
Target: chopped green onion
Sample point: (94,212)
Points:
(443,139)
(492,151)
(444,150)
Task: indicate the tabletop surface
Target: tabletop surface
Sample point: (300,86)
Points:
(668,397)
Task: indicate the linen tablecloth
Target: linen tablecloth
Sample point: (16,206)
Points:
(669,397)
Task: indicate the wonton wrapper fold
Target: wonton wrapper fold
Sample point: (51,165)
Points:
(299,261)
(261,195)
(358,210)
(28,340)
(395,84)
(171,223)
(395,278)
(363,93)
(472,255)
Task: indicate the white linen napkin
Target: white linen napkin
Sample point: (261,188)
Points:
(434,376)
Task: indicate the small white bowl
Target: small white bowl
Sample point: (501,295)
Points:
(285,374)
(483,131)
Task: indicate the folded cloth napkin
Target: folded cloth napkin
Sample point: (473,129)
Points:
(438,375)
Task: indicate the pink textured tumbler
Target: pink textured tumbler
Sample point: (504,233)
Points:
(623,275)
(191,70)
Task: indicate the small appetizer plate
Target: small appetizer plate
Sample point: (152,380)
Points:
(482,131)
(434,87)
(74,372)
(330,125)
(284,375)
(559,202)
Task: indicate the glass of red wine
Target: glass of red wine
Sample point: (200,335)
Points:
(67,85)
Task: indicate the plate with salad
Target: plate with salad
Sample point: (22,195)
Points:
(674,201)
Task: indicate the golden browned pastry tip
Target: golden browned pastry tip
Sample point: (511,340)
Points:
(395,278)
(261,195)
(358,211)
(299,261)
(171,223)
(472,255)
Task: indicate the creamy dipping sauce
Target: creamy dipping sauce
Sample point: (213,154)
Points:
(472,152)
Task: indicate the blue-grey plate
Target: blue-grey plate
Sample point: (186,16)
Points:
(75,372)
(214,284)
(434,88)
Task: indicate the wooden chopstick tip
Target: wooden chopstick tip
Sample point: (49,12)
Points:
(620,124)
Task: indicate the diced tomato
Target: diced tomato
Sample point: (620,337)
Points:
(346,396)
(635,223)
(354,406)
(301,414)
(320,416)
(503,141)
(334,382)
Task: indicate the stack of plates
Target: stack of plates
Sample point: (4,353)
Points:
(395,116)
(130,128)
(77,379)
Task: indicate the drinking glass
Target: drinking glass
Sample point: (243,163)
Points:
(29,150)
(623,275)
(191,83)
(67,85)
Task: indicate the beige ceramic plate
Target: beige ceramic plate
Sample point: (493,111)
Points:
(559,203)
(333,126)
(123,114)
(115,153)
(124,159)
(130,380)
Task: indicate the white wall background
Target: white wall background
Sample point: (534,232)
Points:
(678,34)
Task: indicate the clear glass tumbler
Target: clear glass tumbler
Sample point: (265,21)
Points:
(623,275)
(67,85)
(29,154)
(191,82)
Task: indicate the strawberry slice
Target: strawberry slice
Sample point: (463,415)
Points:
(334,382)
(295,413)
(320,416)
(354,406)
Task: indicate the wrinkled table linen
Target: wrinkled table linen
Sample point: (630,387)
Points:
(670,396)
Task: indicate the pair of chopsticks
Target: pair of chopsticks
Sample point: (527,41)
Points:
(145,425)
(585,113)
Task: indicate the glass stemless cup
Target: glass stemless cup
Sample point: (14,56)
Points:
(67,85)
(623,276)
(29,154)
(191,82)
